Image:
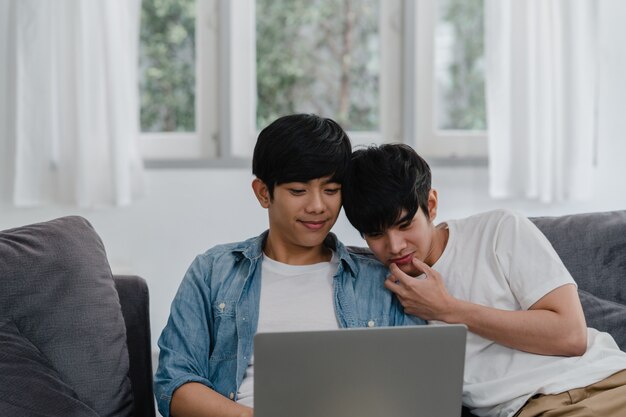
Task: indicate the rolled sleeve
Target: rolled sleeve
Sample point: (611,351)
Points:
(185,341)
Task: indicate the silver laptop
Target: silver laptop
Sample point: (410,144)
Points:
(374,372)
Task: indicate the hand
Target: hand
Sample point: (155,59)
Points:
(426,298)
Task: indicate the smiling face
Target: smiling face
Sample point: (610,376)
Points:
(415,237)
(300,216)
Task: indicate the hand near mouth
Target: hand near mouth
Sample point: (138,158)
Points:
(427,298)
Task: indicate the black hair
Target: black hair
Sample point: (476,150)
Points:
(300,148)
(381,182)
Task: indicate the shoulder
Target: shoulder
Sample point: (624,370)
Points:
(220,260)
(365,262)
(494,216)
(485,220)
(491,221)
(250,248)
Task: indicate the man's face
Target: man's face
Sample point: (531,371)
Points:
(404,241)
(302,213)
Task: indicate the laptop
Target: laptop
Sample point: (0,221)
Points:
(412,371)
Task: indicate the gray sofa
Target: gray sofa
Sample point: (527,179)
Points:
(75,341)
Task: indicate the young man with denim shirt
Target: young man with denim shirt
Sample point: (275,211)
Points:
(294,276)
(529,352)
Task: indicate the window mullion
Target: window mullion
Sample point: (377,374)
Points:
(237,78)
(207,38)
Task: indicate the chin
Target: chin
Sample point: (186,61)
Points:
(410,270)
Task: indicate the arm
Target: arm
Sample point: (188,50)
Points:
(182,385)
(554,325)
(197,400)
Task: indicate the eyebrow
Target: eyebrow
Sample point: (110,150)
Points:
(405,219)
(329,181)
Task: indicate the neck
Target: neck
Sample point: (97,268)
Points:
(438,245)
(296,255)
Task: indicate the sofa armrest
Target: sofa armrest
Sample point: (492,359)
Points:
(134,299)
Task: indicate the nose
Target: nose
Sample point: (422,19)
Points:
(395,242)
(315,202)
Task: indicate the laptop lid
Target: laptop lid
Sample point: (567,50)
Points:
(412,371)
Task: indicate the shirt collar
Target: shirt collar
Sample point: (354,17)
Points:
(253,249)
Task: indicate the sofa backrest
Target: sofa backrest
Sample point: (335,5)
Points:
(593,248)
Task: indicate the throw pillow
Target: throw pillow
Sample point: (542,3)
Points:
(57,289)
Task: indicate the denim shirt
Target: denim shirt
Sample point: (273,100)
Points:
(208,337)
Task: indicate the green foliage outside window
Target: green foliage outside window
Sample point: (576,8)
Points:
(167,65)
(319,56)
(465,97)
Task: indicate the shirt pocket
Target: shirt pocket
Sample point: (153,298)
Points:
(225,330)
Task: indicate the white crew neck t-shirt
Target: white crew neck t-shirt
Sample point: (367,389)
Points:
(500,259)
(293,298)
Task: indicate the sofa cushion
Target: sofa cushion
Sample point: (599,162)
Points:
(57,290)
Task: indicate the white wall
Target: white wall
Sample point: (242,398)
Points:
(188,211)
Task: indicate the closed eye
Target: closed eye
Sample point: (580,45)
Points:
(373,235)
(404,226)
(296,191)
(332,191)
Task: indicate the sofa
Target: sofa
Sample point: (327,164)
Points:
(74,339)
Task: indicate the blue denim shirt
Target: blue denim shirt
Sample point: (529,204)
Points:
(208,337)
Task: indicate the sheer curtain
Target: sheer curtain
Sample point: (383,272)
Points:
(74,99)
(540,73)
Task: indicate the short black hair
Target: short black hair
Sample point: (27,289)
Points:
(381,182)
(300,148)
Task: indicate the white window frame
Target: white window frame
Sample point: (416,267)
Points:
(203,142)
(420,103)
(226,89)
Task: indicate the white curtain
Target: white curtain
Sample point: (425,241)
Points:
(74,102)
(540,73)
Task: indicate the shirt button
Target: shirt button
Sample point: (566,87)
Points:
(371,323)
(231,395)
(222,306)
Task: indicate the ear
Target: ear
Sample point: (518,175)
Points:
(261,192)
(432,204)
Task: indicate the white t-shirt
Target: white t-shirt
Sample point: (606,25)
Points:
(293,298)
(500,259)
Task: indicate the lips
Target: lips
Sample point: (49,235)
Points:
(406,259)
(313,225)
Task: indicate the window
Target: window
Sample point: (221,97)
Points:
(341,79)
(177,79)
(449,106)
(214,72)
(327,57)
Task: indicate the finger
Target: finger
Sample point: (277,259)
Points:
(400,276)
(423,267)
(392,285)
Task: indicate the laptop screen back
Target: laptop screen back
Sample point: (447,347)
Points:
(375,372)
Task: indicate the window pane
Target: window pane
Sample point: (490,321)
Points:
(459,65)
(319,56)
(167,65)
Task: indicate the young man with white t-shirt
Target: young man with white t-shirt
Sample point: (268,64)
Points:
(294,276)
(529,351)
